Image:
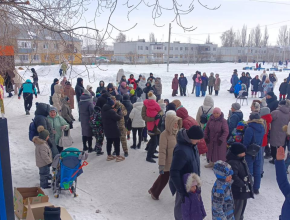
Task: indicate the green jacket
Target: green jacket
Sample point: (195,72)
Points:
(56,124)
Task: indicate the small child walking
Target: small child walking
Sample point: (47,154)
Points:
(152,110)
(222,197)
(192,208)
(43,156)
(283,89)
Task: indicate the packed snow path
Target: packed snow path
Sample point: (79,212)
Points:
(120,190)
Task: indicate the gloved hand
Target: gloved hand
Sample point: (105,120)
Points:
(161,169)
(157,117)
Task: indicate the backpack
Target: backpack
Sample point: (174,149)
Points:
(203,117)
(32,130)
(239,132)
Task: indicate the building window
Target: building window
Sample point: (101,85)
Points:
(45,46)
(24,44)
(165,48)
(171,48)
(55,46)
(46,57)
(214,49)
(170,56)
(140,56)
(147,48)
(71,58)
(36,57)
(180,48)
(186,48)
(24,57)
(140,47)
(176,56)
(206,49)
(34,45)
(192,49)
(176,48)
(56,57)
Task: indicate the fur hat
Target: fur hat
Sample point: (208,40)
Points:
(256,106)
(42,133)
(263,102)
(86,92)
(217,111)
(89,87)
(237,148)
(236,106)
(191,179)
(177,103)
(110,102)
(170,112)
(195,133)
(264,111)
(151,96)
(160,101)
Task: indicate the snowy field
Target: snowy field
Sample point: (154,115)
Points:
(119,190)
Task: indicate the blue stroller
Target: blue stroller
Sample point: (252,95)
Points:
(67,168)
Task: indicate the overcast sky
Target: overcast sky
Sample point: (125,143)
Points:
(232,13)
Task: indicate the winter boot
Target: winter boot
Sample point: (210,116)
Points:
(256,191)
(145,139)
(126,154)
(111,157)
(139,146)
(27,112)
(133,146)
(150,160)
(100,153)
(90,150)
(154,157)
(85,148)
(120,158)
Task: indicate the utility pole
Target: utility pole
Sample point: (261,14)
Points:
(168,53)
(188,54)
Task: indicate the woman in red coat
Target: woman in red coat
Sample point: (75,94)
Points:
(188,122)
(131,80)
(175,83)
(215,135)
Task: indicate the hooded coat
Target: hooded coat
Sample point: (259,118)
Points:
(102,100)
(43,154)
(217,83)
(283,88)
(182,81)
(123,88)
(101,88)
(272,103)
(242,187)
(142,85)
(256,83)
(148,88)
(208,106)
(204,83)
(128,105)
(167,141)
(158,86)
(211,80)
(66,112)
(234,119)
(238,87)
(132,81)
(110,119)
(136,117)
(139,92)
(27,88)
(79,89)
(234,80)
(111,92)
(175,82)
(244,79)
(215,135)
(185,160)
(187,123)
(57,122)
(56,98)
(268,119)
(86,109)
(192,208)
(280,118)
(70,93)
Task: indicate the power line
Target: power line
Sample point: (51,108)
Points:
(278,3)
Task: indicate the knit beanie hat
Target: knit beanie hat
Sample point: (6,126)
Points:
(52,108)
(126,97)
(195,133)
(139,99)
(132,91)
(171,106)
(177,103)
(42,133)
(271,94)
(254,115)
(151,96)
(217,111)
(237,148)
(170,112)
(160,101)
(236,106)
(110,102)
(131,86)
(256,106)
(264,111)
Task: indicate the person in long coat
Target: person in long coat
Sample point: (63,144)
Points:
(70,93)
(215,135)
(217,84)
(255,83)
(166,146)
(79,89)
(204,84)
(86,109)
(211,81)
(207,107)
(175,84)
(57,96)
(142,84)
(9,84)
(158,87)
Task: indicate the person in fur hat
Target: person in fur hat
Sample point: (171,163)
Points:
(152,110)
(43,156)
(90,89)
(192,208)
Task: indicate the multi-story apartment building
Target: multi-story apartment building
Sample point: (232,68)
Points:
(149,52)
(41,46)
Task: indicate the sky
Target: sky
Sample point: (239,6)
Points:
(231,13)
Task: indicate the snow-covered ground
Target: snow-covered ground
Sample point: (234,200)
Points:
(119,191)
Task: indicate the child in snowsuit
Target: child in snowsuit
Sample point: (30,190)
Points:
(238,88)
(192,208)
(283,89)
(152,109)
(222,197)
(43,156)
(97,129)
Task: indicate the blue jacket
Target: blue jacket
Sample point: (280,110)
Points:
(222,197)
(182,81)
(255,127)
(27,87)
(185,160)
(234,120)
(284,187)
(238,87)
(235,80)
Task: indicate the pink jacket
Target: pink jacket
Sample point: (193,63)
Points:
(198,80)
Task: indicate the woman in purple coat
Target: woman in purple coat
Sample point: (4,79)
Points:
(192,208)
(215,136)
(175,83)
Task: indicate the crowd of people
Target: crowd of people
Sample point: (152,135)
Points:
(235,147)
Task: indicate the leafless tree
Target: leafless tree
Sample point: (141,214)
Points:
(238,39)
(207,41)
(120,38)
(266,37)
(244,36)
(251,39)
(152,37)
(258,36)
(282,36)
(228,38)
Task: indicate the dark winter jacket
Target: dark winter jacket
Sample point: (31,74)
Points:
(256,83)
(34,75)
(86,109)
(148,88)
(204,83)
(100,88)
(233,121)
(234,80)
(288,91)
(254,133)
(128,105)
(138,92)
(244,79)
(248,81)
(102,100)
(272,78)
(242,186)
(272,103)
(110,119)
(283,88)
(288,79)
(111,92)
(182,81)
(211,80)
(284,186)
(79,89)
(175,82)
(133,99)
(185,160)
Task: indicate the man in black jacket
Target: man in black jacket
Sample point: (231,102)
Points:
(79,89)
(272,101)
(102,100)
(185,160)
